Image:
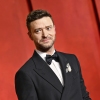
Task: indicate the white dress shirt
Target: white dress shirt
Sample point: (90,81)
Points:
(55,66)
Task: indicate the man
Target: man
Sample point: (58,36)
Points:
(48,74)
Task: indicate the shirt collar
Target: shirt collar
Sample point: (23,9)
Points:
(42,54)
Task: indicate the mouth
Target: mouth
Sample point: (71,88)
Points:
(45,40)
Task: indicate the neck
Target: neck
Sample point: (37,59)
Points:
(49,51)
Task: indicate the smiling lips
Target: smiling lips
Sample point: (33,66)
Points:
(46,40)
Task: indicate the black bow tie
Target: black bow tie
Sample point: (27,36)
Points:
(49,58)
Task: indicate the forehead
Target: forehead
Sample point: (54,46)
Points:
(39,23)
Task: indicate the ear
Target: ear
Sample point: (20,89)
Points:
(30,35)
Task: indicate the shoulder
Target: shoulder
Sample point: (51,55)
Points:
(68,55)
(71,59)
(26,67)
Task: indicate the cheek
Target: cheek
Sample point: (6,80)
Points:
(54,35)
(54,32)
(36,38)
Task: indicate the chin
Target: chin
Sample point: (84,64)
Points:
(45,48)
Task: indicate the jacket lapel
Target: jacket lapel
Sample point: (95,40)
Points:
(67,76)
(46,72)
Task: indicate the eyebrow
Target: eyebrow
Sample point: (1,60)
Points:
(49,25)
(44,27)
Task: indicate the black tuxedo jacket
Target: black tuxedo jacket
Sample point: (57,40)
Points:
(35,80)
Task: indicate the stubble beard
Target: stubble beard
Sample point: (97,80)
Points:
(45,47)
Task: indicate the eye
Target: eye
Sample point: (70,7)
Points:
(38,30)
(48,28)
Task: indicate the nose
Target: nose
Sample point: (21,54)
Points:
(44,33)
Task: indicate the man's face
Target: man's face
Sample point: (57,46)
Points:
(42,32)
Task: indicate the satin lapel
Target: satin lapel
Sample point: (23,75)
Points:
(46,72)
(68,79)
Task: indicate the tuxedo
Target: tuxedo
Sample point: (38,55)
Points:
(36,81)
